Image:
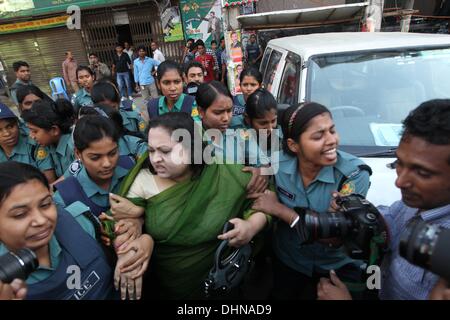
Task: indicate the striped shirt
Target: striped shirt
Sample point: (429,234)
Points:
(400,279)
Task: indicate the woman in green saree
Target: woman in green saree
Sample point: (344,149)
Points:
(185,205)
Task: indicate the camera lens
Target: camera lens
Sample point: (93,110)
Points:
(326,225)
(417,242)
(426,245)
(17,265)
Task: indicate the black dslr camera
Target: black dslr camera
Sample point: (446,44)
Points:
(191,89)
(358,224)
(17,265)
(427,245)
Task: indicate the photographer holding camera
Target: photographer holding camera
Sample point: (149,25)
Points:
(423,170)
(194,75)
(194,72)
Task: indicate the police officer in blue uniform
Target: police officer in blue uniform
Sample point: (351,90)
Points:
(261,114)
(250,80)
(96,145)
(26,96)
(82,98)
(310,169)
(132,120)
(232,146)
(170,83)
(15,145)
(106,93)
(130,147)
(50,125)
(64,243)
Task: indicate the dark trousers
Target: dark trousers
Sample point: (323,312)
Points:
(289,284)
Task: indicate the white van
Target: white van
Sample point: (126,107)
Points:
(369,81)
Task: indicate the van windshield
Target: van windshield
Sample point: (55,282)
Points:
(369,94)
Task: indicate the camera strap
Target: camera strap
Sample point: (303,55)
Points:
(376,243)
(356,286)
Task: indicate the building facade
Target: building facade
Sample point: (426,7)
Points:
(36,32)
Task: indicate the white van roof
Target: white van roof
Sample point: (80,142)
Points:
(322,43)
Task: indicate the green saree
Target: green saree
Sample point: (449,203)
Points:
(185,221)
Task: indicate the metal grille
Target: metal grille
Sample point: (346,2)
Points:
(100,36)
(145,25)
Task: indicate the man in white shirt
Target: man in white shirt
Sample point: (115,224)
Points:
(128,50)
(157,54)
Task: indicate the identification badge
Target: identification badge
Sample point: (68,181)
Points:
(286,193)
(75,167)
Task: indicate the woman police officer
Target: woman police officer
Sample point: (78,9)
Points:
(310,170)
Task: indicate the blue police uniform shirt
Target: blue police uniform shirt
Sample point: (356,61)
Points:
(96,194)
(317,197)
(81,250)
(178,107)
(238,122)
(238,105)
(23,127)
(82,99)
(43,273)
(237,147)
(131,145)
(132,120)
(27,151)
(63,154)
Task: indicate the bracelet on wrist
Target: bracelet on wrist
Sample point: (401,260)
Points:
(294,221)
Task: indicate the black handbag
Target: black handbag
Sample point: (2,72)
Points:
(228,273)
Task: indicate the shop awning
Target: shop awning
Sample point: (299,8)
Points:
(303,17)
